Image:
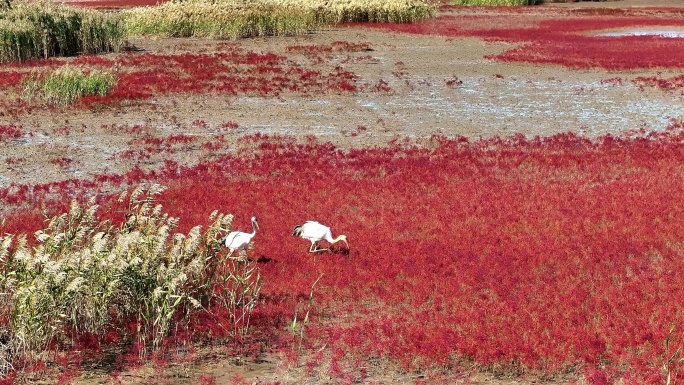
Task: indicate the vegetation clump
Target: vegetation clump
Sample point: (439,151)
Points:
(232,19)
(355,11)
(42,29)
(221,19)
(30,30)
(89,277)
(67,84)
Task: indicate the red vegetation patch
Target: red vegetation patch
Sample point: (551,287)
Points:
(229,125)
(606,52)
(231,70)
(10,132)
(337,46)
(142,148)
(669,84)
(62,162)
(156,144)
(535,254)
(11,79)
(564,38)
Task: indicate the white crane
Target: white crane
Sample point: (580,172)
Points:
(237,240)
(316,232)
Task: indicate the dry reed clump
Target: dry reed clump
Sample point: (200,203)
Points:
(86,275)
(41,29)
(219,19)
(232,19)
(362,11)
(67,84)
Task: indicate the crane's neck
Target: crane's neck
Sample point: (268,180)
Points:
(254,228)
(340,238)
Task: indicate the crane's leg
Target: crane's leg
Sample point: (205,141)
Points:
(315,249)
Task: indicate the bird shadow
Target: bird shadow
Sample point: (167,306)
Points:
(338,251)
(264,259)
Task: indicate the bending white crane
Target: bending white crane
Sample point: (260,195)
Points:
(316,232)
(237,240)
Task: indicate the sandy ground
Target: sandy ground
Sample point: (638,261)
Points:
(493,99)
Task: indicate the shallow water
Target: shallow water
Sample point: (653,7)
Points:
(546,106)
(672,33)
(480,106)
(494,106)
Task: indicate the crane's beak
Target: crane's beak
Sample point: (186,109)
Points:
(257,225)
(348,250)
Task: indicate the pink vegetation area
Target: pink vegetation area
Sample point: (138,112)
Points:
(524,254)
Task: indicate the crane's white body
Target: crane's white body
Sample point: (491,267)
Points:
(237,240)
(316,232)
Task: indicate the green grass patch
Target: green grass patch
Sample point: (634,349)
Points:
(67,84)
(31,30)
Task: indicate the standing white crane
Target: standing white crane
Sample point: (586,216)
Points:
(237,240)
(316,232)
